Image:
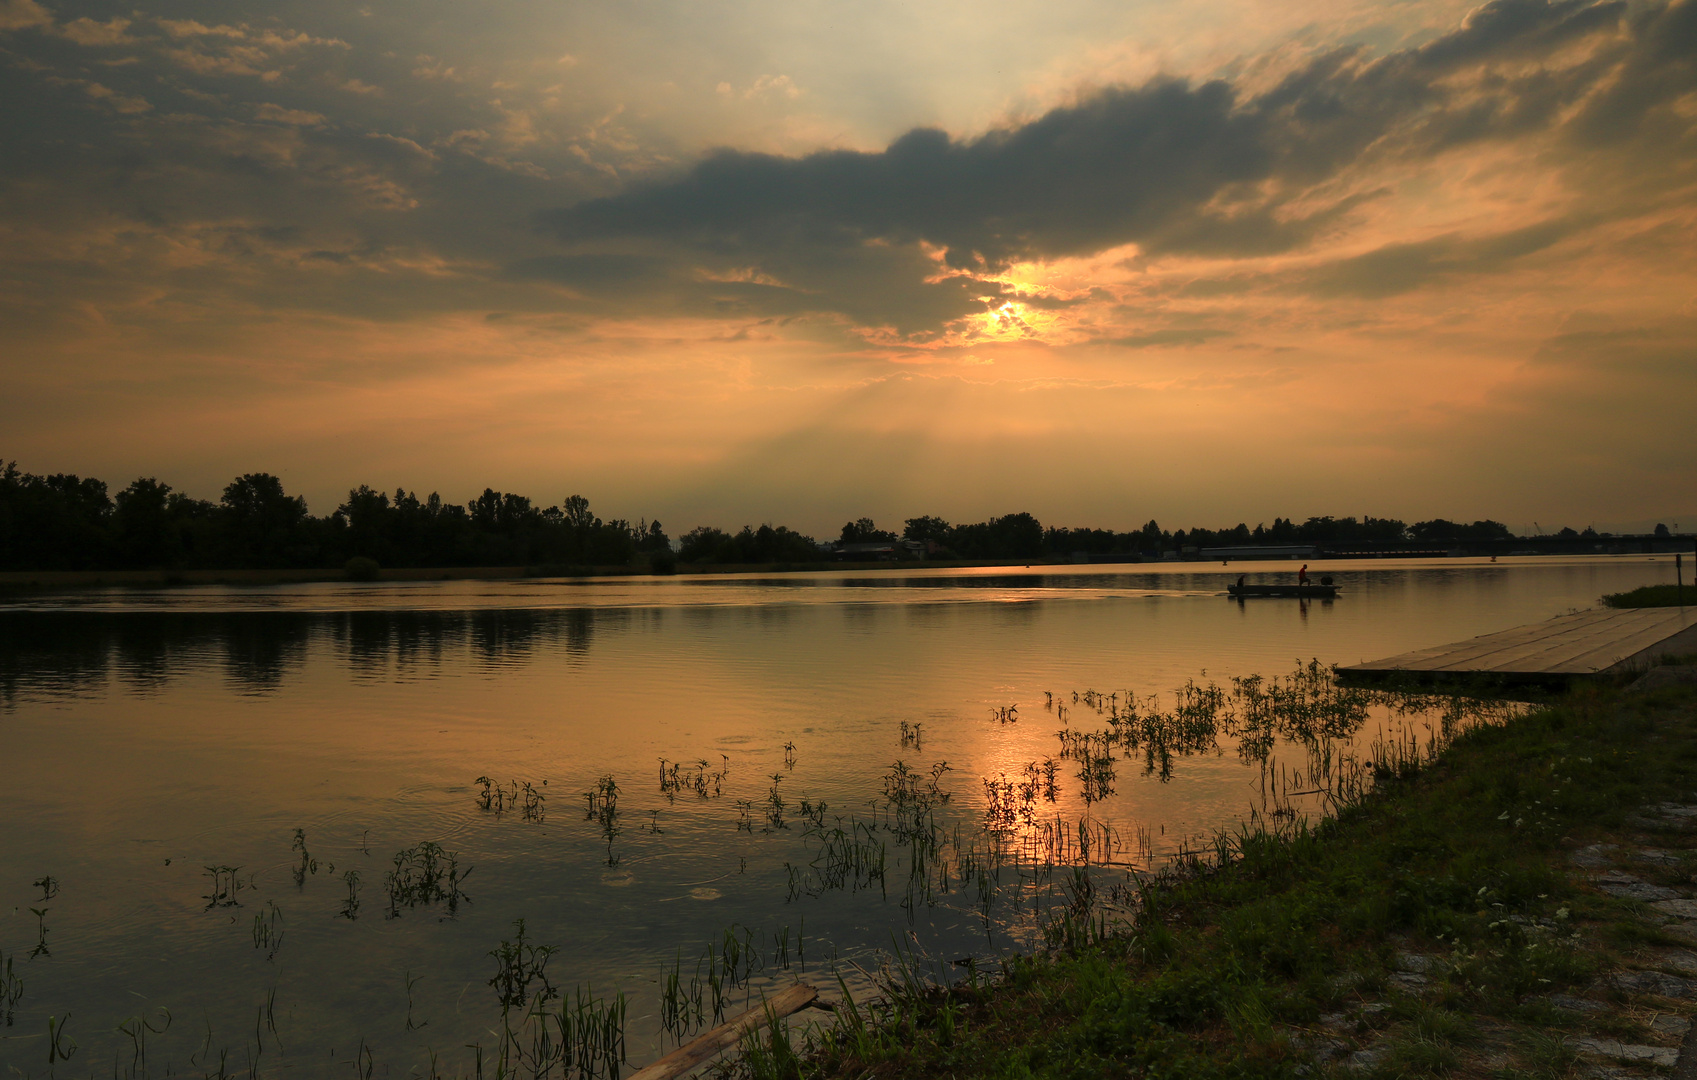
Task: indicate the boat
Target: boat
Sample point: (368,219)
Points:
(1305,592)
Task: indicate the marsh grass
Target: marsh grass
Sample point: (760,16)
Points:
(1448,843)
(693,999)
(1655,596)
(767,1051)
(1017,865)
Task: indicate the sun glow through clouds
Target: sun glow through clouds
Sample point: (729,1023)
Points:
(353,243)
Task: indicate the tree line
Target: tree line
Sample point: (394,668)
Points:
(1021,535)
(66,522)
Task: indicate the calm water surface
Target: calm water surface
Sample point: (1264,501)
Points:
(147,736)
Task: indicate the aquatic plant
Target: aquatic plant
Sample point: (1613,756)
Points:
(412,981)
(424,875)
(676,777)
(11,991)
(223,885)
(41,948)
(589,1034)
(532,803)
(60,1046)
(137,1029)
(268,930)
(350,905)
(523,794)
(813,812)
(307,864)
(518,965)
(774,806)
(602,807)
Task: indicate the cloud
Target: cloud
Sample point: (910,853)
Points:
(86,31)
(1158,338)
(1178,167)
(189,28)
(773,86)
(293,117)
(1399,268)
(222,49)
(123,103)
(21,14)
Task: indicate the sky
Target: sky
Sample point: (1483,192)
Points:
(1202,261)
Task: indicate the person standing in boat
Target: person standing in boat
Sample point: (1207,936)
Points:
(1302,575)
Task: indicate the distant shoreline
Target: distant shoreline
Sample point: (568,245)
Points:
(15,581)
(25,580)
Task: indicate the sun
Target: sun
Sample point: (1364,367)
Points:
(1010,320)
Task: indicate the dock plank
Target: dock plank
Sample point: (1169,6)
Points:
(1594,642)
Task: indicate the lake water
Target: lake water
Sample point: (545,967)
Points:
(152,739)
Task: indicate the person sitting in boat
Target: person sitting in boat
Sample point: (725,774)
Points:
(1240,578)
(1302,575)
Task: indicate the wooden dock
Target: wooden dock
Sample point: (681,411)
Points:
(1604,641)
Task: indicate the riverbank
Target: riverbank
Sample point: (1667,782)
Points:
(1521,907)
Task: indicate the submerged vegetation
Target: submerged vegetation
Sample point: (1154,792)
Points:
(1394,902)
(1461,917)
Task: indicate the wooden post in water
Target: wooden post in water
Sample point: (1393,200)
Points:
(728,1034)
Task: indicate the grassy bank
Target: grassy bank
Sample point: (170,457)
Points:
(1655,596)
(1458,921)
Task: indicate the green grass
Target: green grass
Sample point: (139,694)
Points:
(1229,973)
(1655,596)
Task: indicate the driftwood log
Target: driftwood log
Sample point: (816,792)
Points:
(728,1034)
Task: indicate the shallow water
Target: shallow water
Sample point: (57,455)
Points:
(149,735)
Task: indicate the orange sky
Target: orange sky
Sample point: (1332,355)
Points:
(1202,262)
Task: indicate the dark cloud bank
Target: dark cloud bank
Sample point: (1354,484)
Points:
(1176,167)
